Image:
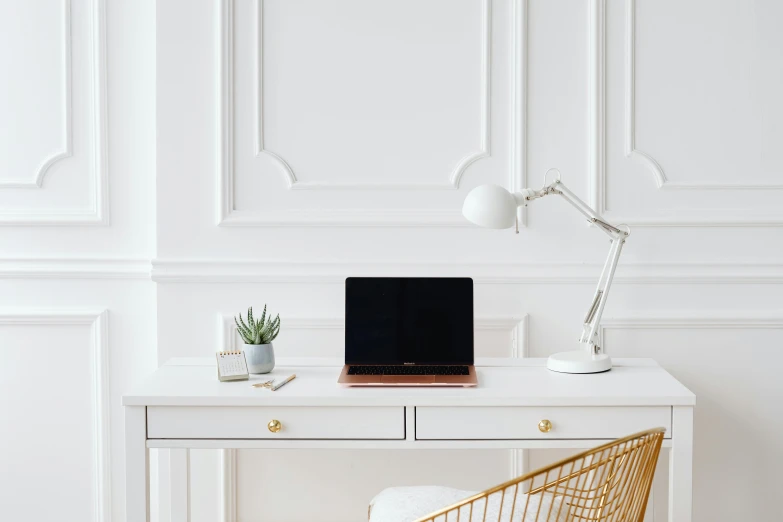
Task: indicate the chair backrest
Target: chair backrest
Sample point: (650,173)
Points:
(609,483)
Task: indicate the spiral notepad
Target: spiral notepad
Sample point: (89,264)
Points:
(231,366)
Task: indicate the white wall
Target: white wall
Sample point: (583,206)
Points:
(77,225)
(301,141)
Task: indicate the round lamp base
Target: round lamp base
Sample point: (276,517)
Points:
(579,362)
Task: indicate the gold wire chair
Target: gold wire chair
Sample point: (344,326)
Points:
(609,483)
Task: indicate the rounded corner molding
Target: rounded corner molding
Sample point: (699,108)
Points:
(288,173)
(464,163)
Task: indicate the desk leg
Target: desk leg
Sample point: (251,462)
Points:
(681,465)
(137,507)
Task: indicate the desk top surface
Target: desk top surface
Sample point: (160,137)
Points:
(502,382)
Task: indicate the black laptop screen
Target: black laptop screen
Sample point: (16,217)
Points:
(398,320)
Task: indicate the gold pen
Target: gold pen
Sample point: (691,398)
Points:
(283,383)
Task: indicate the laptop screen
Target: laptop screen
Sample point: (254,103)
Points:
(398,320)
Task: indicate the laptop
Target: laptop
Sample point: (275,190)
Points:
(408,331)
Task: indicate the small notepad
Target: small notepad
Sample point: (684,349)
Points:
(231,366)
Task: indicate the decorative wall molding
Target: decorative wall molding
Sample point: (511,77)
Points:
(101,419)
(630,98)
(363,217)
(631,151)
(257,271)
(596,105)
(456,175)
(228,216)
(98,212)
(228,482)
(689,319)
(732,319)
(179,490)
(519,67)
(224,105)
(597,138)
(517,326)
(694,320)
(66,149)
(69,268)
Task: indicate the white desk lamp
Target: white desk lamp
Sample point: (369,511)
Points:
(492,206)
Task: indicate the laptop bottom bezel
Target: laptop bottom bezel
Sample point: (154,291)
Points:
(409,380)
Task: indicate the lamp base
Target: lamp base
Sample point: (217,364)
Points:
(579,362)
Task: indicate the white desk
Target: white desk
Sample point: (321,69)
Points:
(183,405)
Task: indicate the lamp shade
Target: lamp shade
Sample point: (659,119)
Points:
(490,206)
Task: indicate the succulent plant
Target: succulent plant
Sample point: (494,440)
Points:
(258,331)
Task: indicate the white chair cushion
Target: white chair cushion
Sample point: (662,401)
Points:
(410,503)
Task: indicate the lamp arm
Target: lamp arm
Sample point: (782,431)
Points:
(592,216)
(592,320)
(557,187)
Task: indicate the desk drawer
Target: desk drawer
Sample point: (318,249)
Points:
(497,423)
(251,422)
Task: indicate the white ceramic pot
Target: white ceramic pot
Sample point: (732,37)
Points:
(260,357)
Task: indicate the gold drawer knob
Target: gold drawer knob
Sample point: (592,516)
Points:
(544,426)
(274,425)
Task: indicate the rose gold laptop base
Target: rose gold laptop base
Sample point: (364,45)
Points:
(408,380)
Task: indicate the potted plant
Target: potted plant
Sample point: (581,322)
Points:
(258,335)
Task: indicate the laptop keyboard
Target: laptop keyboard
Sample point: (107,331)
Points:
(408,370)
